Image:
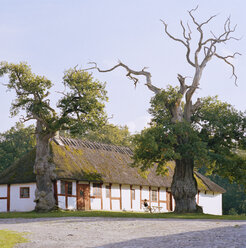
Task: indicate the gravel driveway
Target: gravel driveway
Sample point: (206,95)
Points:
(116,232)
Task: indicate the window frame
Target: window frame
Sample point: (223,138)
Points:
(133,194)
(155,198)
(97,189)
(69,183)
(63,190)
(22,195)
(108,187)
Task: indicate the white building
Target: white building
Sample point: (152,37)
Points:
(93,176)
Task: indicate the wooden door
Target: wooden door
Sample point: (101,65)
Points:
(169,201)
(83,192)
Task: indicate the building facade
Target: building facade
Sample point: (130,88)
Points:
(92,176)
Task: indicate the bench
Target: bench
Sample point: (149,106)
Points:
(156,209)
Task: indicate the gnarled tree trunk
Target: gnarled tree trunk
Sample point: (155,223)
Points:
(44,170)
(184,187)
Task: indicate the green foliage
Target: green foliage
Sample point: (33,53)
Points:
(110,134)
(14,143)
(81,107)
(222,128)
(213,138)
(31,90)
(162,103)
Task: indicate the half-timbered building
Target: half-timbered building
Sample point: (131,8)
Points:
(94,176)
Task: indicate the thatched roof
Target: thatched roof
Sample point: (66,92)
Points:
(95,162)
(21,171)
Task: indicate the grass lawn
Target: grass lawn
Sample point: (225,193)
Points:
(111,214)
(9,239)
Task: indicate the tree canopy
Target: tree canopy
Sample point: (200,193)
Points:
(215,138)
(14,143)
(80,109)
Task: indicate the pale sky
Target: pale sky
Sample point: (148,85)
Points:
(54,35)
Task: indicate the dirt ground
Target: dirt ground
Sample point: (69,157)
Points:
(116,232)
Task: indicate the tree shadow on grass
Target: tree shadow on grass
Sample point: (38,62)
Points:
(233,236)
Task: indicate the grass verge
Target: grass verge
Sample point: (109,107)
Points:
(111,214)
(9,239)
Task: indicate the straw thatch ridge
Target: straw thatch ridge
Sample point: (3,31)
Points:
(77,143)
(95,162)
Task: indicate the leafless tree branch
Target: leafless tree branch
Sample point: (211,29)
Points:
(130,74)
(199,28)
(25,119)
(209,52)
(196,105)
(224,58)
(186,44)
(188,36)
(183,86)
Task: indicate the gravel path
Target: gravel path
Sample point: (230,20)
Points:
(134,233)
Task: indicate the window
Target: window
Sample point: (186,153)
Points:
(133,194)
(154,195)
(24,192)
(108,191)
(97,189)
(69,188)
(63,187)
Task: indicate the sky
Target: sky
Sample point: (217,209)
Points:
(55,35)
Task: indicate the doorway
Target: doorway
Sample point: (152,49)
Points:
(169,201)
(83,192)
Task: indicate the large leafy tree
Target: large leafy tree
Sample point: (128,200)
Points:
(14,143)
(80,108)
(185,132)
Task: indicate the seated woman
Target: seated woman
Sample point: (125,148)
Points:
(146,205)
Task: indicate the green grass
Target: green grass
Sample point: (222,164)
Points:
(111,214)
(9,239)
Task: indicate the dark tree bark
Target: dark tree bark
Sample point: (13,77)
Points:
(184,187)
(44,170)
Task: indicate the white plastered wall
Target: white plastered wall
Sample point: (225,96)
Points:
(145,193)
(22,204)
(211,203)
(95,202)
(163,197)
(106,200)
(126,197)
(115,192)
(61,199)
(136,202)
(3,202)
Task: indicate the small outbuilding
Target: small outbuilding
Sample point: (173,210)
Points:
(94,176)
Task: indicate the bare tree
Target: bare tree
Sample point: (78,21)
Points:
(184,186)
